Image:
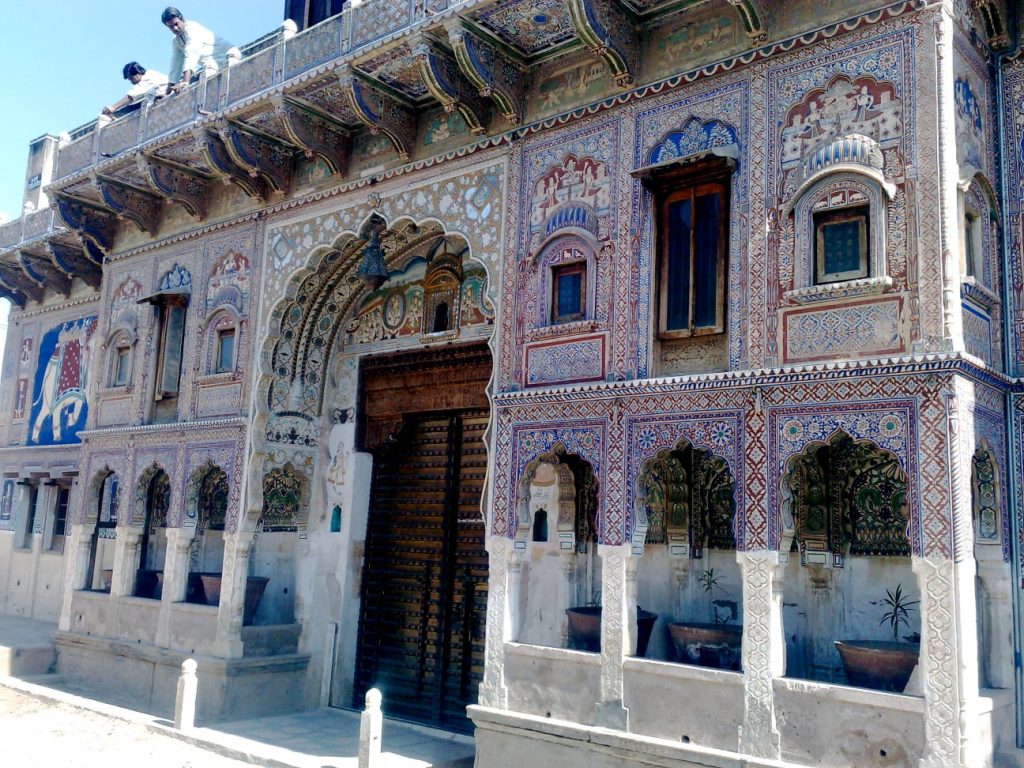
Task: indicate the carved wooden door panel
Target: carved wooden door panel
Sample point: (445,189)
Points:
(424,588)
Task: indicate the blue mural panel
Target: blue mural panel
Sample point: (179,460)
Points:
(59,408)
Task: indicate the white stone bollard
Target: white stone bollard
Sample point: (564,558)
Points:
(185,701)
(371,722)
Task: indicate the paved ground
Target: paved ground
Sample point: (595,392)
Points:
(35,733)
(47,721)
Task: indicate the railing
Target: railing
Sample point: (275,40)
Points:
(267,62)
(28,227)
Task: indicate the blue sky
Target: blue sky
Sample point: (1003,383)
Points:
(62,62)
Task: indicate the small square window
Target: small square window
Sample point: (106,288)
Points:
(225,350)
(122,366)
(568,292)
(841,245)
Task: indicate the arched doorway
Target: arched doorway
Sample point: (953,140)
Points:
(424,585)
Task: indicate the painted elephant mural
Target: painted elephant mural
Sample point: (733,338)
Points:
(59,406)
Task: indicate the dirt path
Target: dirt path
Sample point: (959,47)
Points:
(35,733)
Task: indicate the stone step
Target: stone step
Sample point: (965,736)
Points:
(272,640)
(23,661)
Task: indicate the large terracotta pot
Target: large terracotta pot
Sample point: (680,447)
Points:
(211,587)
(708,645)
(254,587)
(585,628)
(880,664)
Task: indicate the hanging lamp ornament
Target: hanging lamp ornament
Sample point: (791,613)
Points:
(373,272)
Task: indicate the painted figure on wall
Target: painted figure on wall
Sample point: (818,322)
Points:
(59,407)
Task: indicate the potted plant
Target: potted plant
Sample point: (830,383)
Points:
(885,665)
(585,628)
(717,644)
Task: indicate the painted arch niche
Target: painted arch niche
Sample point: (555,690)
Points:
(846,517)
(206,503)
(685,509)
(557,539)
(152,504)
(428,288)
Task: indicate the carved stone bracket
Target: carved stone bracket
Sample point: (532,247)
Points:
(315,134)
(92,224)
(380,112)
(188,189)
(493,73)
(75,262)
(141,208)
(43,271)
(259,155)
(446,83)
(753,24)
(16,286)
(216,155)
(993,27)
(608,33)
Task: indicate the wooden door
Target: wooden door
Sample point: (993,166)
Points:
(424,588)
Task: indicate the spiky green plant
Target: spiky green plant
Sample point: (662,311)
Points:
(898,612)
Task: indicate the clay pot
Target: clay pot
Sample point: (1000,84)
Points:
(879,664)
(254,587)
(211,587)
(708,645)
(585,628)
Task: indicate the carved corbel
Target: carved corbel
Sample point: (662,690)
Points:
(380,112)
(141,208)
(493,73)
(41,270)
(609,34)
(75,262)
(446,83)
(16,298)
(315,133)
(93,225)
(15,281)
(188,189)
(993,27)
(259,155)
(223,164)
(752,22)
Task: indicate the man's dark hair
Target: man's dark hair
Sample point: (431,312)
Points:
(170,12)
(133,68)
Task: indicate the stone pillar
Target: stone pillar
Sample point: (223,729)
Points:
(76,569)
(950,223)
(618,631)
(185,698)
(566,593)
(237,548)
(371,726)
(175,580)
(995,615)
(502,599)
(126,561)
(949,657)
(764,651)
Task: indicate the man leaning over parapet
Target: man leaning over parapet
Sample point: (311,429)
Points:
(144,82)
(194,48)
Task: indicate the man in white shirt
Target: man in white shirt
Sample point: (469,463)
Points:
(144,82)
(194,48)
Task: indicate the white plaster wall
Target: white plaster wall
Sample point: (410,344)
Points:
(671,587)
(660,698)
(822,605)
(544,594)
(552,682)
(274,557)
(136,619)
(825,725)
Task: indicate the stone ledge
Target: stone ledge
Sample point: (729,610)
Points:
(683,671)
(836,692)
(557,654)
(543,738)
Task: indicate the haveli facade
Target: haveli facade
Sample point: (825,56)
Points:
(370,360)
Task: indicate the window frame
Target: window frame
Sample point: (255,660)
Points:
(558,271)
(220,334)
(829,216)
(689,182)
(122,354)
(57,538)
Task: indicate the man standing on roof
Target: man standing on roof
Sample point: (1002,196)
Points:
(194,48)
(144,82)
